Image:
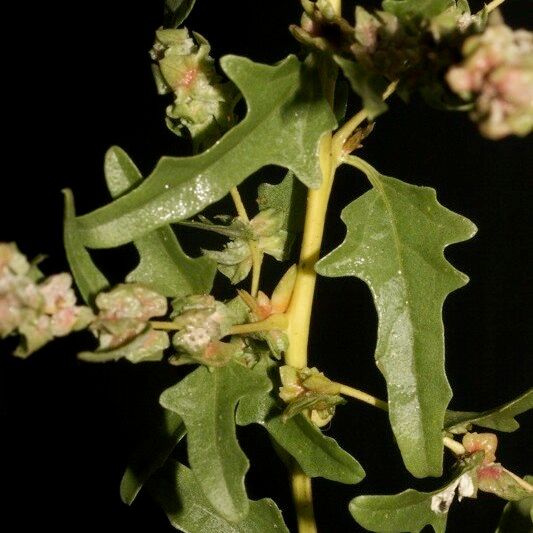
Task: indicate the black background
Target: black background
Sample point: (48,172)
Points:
(78,80)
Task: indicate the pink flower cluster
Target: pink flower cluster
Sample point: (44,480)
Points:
(38,311)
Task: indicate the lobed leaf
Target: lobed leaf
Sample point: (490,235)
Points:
(150,454)
(163,265)
(206,401)
(396,234)
(501,418)
(88,278)
(287,116)
(177,490)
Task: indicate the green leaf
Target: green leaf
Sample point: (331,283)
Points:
(396,234)
(287,116)
(150,454)
(163,265)
(288,198)
(501,418)
(176,11)
(178,492)
(368,85)
(206,400)
(416,9)
(412,510)
(317,455)
(517,516)
(88,278)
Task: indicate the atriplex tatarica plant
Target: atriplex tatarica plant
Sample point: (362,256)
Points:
(247,354)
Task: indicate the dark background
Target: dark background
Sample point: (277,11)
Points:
(78,80)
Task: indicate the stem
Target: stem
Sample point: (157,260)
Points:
(276,321)
(301,304)
(257,261)
(363,397)
(257,255)
(239,206)
(168,326)
(303,500)
(491,6)
(343,133)
(456,447)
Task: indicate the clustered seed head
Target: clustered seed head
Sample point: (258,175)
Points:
(497,76)
(203,322)
(37,310)
(203,103)
(124,312)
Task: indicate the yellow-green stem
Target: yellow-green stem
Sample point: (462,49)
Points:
(456,447)
(491,6)
(257,255)
(363,397)
(299,311)
(167,326)
(257,262)
(301,304)
(239,205)
(277,321)
(343,133)
(303,500)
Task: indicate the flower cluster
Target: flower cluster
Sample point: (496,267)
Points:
(203,321)
(203,104)
(392,44)
(36,308)
(487,475)
(491,476)
(265,230)
(418,47)
(307,389)
(497,76)
(122,324)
